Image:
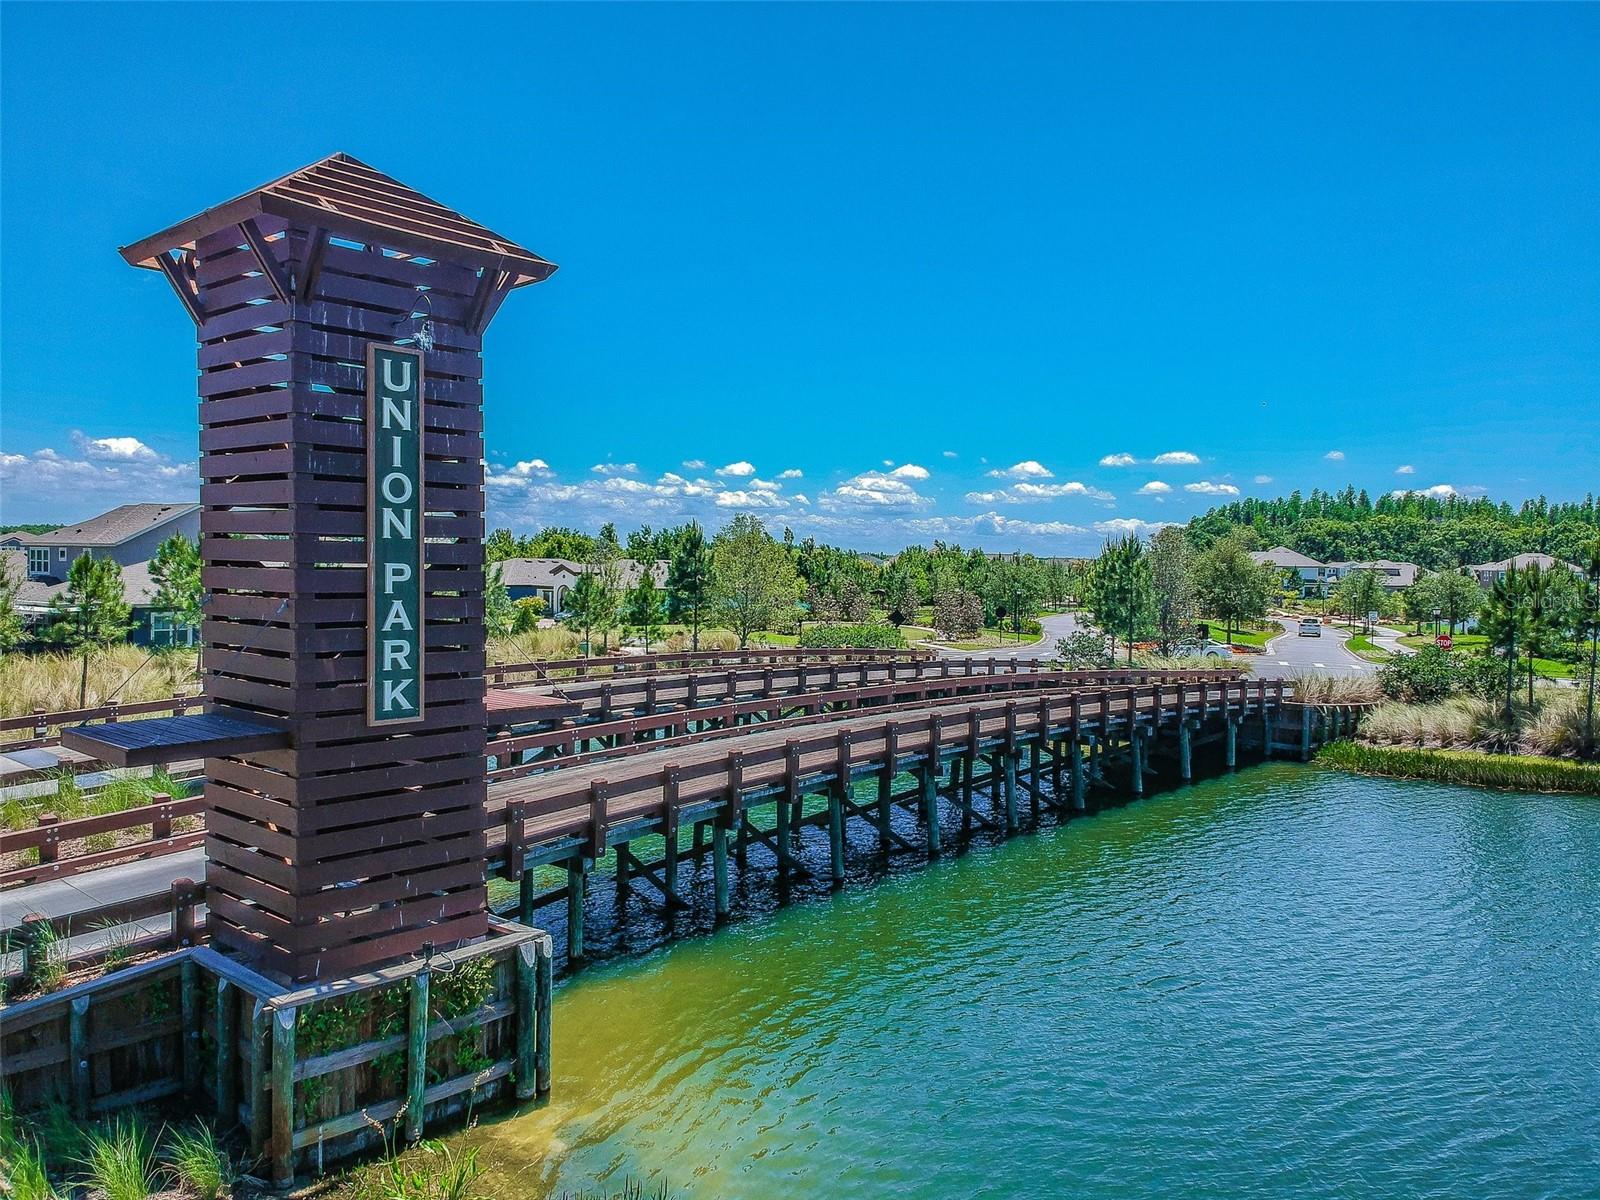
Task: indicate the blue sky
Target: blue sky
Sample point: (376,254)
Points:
(946,263)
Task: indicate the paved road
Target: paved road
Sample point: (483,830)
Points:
(1056,627)
(1291,655)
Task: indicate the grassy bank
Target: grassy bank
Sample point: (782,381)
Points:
(1476,643)
(1516,772)
(1363,646)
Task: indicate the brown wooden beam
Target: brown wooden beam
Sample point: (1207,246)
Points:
(186,294)
(316,247)
(268,261)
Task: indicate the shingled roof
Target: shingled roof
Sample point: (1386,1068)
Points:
(345,195)
(114,527)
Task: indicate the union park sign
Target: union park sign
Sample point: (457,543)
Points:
(394,535)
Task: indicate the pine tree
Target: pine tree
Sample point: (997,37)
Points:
(642,607)
(689,582)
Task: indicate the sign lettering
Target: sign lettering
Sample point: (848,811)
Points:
(394,535)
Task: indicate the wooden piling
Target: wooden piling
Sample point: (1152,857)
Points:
(283,1053)
(189,985)
(1136,756)
(836,831)
(576,872)
(417,1054)
(1080,792)
(930,803)
(258,1080)
(78,1051)
(1009,774)
(1185,759)
(527,1021)
(544,1008)
(227,1052)
(719,867)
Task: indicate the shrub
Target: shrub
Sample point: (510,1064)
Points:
(120,1161)
(957,613)
(1425,677)
(1084,651)
(198,1162)
(872,635)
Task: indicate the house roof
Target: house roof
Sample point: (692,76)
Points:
(344,195)
(33,595)
(1282,556)
(556,572)
(114,527)
(1522,562)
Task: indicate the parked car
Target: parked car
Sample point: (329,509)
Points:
(1310,627)
(1205,648)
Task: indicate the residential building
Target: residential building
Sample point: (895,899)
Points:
(1311,575)
(129,534)
(1392,575)
(551,579)
(1490,573)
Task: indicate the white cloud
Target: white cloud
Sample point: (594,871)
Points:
(791,473)
(50,486)
(1407,469)
(753,498)
(766,485)
(1439,491)
(738,469)
(113,449)
(1176,458)
(1030,493)
(1334,456)
(1155,488)
(1207,488)
(909,471)
(951,454)
(1122,526)
(1022,470)
(1118,460)
(517,474)
(989,522)
(1263,478)
(615,468)
(875,489)
(694,464)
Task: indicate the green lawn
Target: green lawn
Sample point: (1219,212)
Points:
(1473,643)
(1362,646)
(1254,635)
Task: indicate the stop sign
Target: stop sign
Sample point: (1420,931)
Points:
(1443,641)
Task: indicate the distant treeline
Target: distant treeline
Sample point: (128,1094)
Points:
(1440,534)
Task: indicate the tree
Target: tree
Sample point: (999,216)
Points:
(1230,586)
(957,613)
(1358,594)
(499,613)
(1499,622)
(642,607)
(1591,626)
(175,570)
(900,595)
(90,612)
(752,576)
(1172,574)
(12,629)
(1085,650)
(1121,596)
(587,605)
(526,613)
(689,582)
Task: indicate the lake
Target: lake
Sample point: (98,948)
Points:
(1286,982)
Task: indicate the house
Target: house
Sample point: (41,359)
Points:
(551,579)
(1490,573)
(152,626)
(129,534)
(1392,575)
(1311,575)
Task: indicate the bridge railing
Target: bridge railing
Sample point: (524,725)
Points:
(632,664)
(42,727)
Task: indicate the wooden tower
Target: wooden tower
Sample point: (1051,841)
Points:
(362,839)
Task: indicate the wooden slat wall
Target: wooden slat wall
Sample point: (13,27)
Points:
(401,825)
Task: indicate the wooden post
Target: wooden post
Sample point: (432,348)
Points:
(836,831)
(576,877)
(623,852)
(1305,732)
(1185,764)
(1232,742)
(669,821)
(527,893)
(227,1052)
(1079,789)
(1136,755)
(1009,759)
(183,922)
(544,1007)
(259,1078)
(527,1021)
(719,865)
(891,758)
(1033,775)
(283,1054)
(189,976)
(930,802)
(78,1055)
(417,1054)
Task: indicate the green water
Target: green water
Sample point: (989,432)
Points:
(1288,983)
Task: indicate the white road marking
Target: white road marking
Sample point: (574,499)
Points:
(1324,666)
(1283,662)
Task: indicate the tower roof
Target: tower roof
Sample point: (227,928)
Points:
(347,197)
